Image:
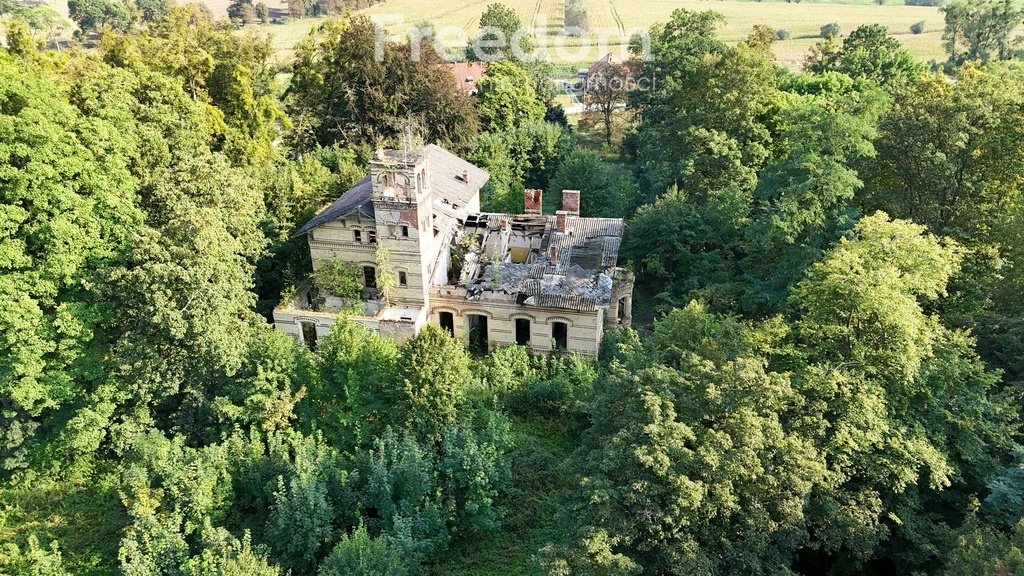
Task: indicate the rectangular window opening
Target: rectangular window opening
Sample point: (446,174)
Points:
(369,277)
(522,332)
(403,280)
(309,334)
(560,334)
(358,235)
(478,341)
(448,323)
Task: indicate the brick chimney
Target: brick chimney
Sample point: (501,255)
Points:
(465,176)
(554,255)
(533,201)
(560,218)
(571,202)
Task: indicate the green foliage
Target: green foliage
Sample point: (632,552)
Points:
(433,378)
(387,277)
(708,124)
(352,400)
(525,157)
(868,52)
(980,29)
(339,279)
(359,554)
(501,37)
(987,551)
(959,135)
(602,191)
(91,15)
(373,99)
(34,560)
(701,462)
(507,99)
(860,303)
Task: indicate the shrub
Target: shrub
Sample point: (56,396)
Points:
(917,27)
(362,555)
(830,30)
(338,279)
(782,34)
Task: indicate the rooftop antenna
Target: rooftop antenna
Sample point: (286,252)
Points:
(412,135)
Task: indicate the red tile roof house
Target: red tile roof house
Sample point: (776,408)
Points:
(467,74)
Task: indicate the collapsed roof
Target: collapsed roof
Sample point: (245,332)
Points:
(562,261)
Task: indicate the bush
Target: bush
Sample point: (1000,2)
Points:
(925,2)
(917,27)
(362,555)
(782,34)
(339,278)
(830,30)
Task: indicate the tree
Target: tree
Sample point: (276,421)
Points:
(944,153)
(339,279)
(602,192)
(507,99)
(980,30)
(200,239)
(692,461)
(805,198)
(90,15)
(43,20)
(216,66)
(433,379)
(501,36)
(341,92)
(708,124)
(239,9)
(868,52)
(606,90)
(387,279)
(861,302)
(359,554)
(525,157)
(68,203)
(152,10)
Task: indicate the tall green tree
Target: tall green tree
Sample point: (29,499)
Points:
(868,52)
(342,92)
(501,36)
(507,99)
(980,29)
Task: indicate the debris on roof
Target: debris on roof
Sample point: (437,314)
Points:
(527,257)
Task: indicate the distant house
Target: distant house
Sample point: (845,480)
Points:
(608,59)
(547,282)
(467,74)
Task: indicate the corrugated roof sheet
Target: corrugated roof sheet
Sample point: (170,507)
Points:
(356,198)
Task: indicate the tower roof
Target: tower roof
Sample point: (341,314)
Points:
(448,177)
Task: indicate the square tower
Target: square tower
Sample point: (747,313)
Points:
(401,200)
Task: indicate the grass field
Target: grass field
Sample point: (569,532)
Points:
(613,19)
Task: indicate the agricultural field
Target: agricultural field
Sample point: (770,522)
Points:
(612,20)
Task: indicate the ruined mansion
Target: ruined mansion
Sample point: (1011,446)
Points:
(545,281)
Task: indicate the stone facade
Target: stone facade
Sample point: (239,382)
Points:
(546,282)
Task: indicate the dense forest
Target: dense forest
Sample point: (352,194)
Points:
(824,377)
